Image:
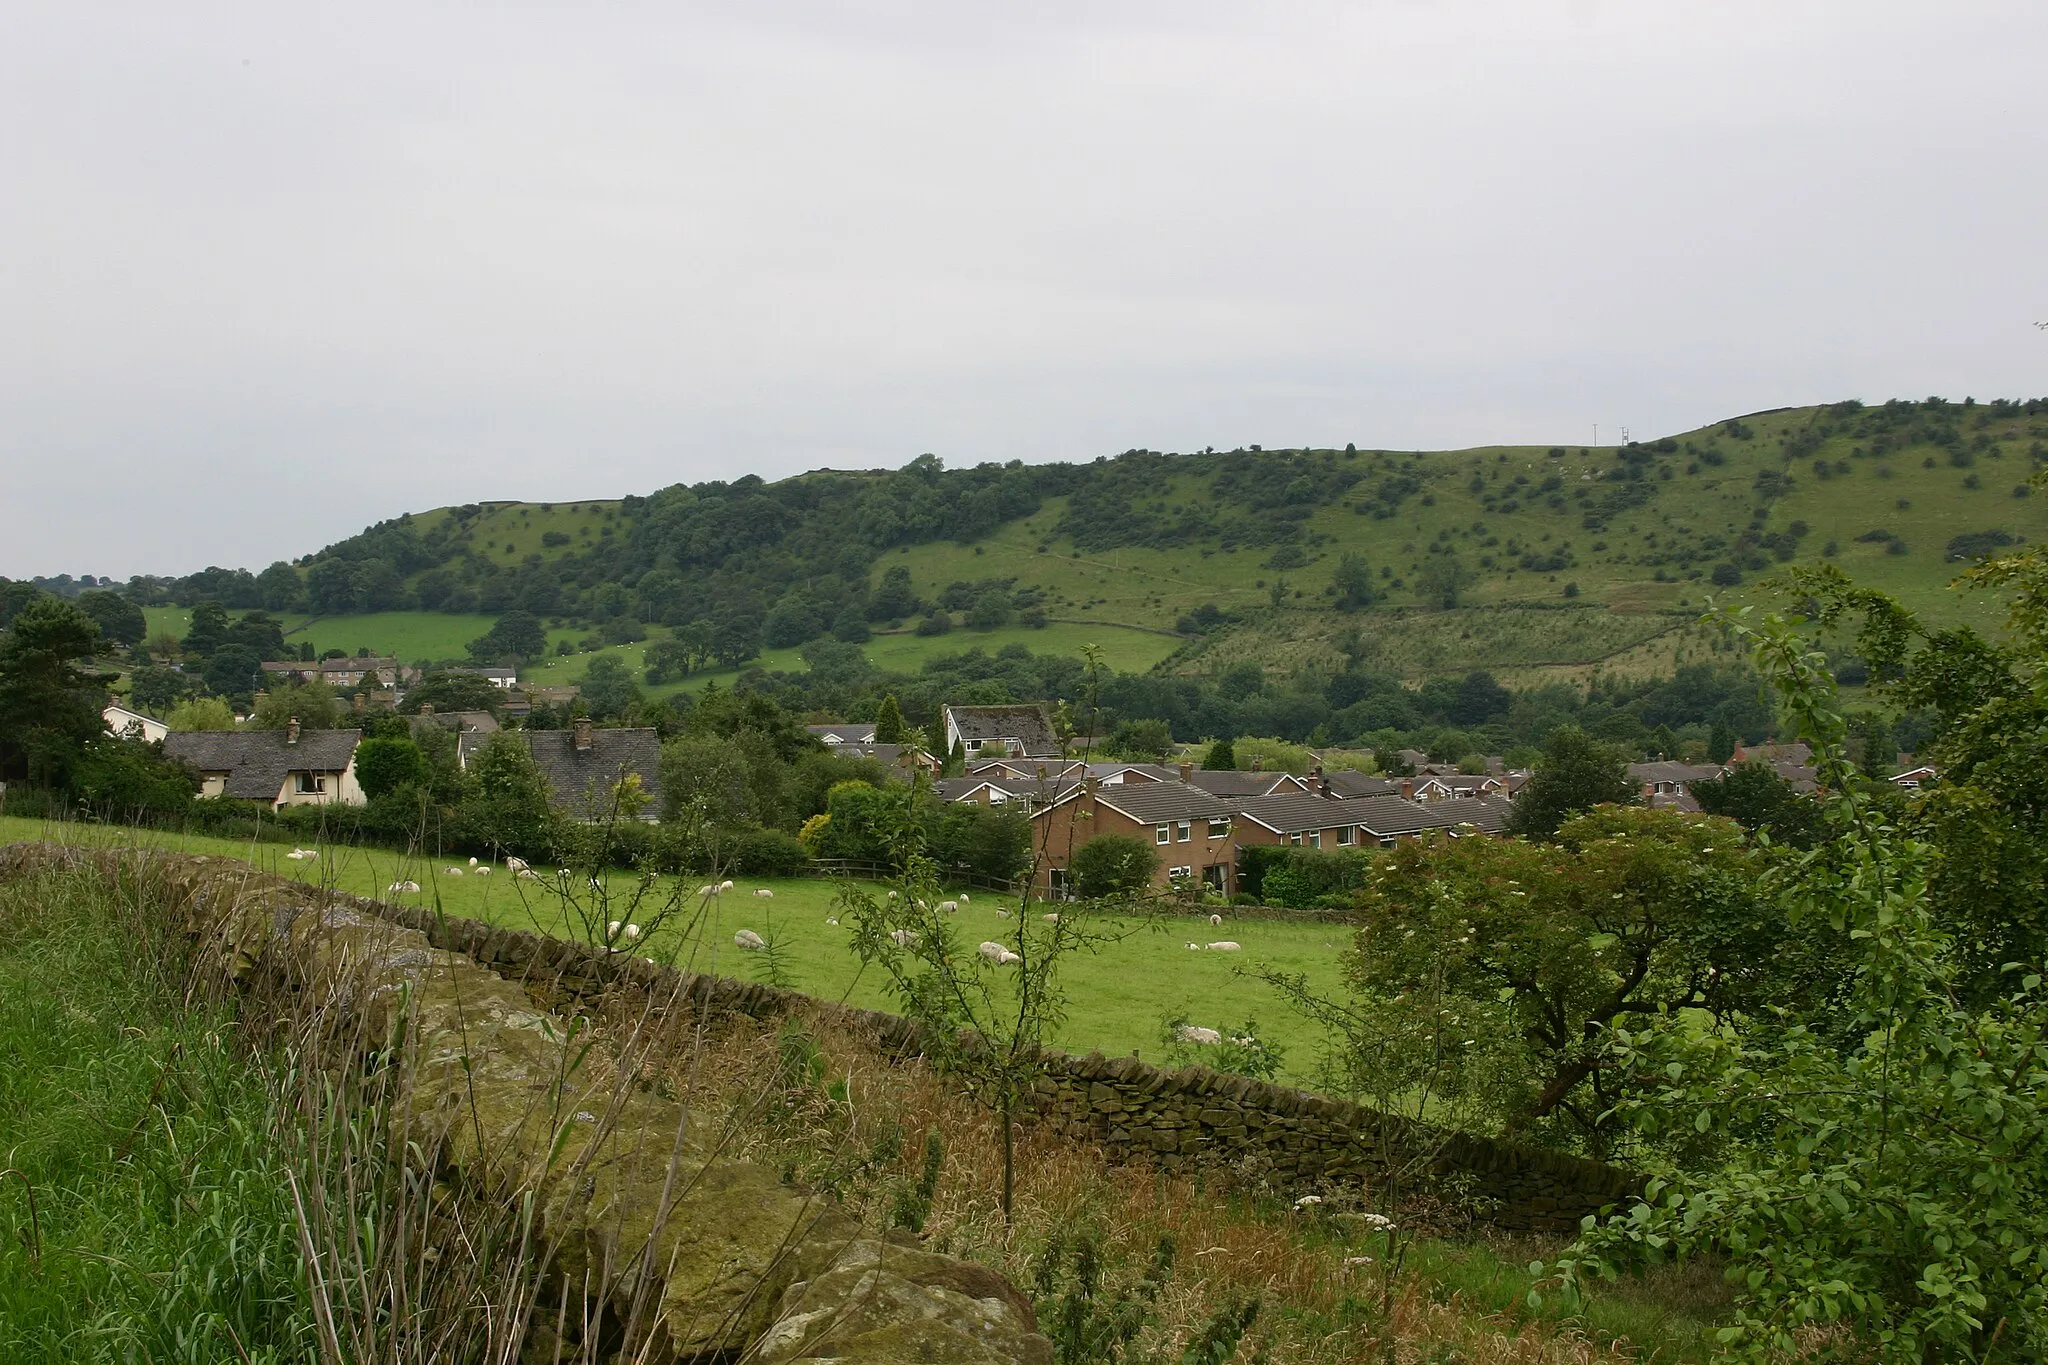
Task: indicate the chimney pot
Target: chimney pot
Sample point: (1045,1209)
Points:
(291,731)
(1187,771)
(1408,788)
(583,730)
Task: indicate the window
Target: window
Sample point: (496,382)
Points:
(1184,830)
(1180,874)
(1217,877)
(1315,838)
(1386,843)
(1294,839)
(1163,835)
(1219,829)
(310,784)
(1346,836)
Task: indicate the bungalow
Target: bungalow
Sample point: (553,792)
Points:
(1001,731)
(1667,785)
(1189,828)
(585,766)
(288,767)
(127,724)
(850,732)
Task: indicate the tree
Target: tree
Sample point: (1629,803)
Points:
(992,610)
(385,765)
(735,637)
(119,619)
(1141,741)
(1112,867)
(608,688)
(894,598)
(207,631)
(1443,580)
(516,636)
(667,660)
(1720,743)
(446,691)
(127,780)
(1480,699)
(708,780)
(851,626)
(889,727)
(312,705)
(506,804)
(234,671)
(1576,774)
(1221,758)
(201,713)
(1353,582)
(156,690)
(282,589)
(1753,795)
(49,705)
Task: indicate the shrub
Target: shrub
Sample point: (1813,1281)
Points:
(1112,865)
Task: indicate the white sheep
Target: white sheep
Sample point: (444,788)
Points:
(632,931)
(903,938)
(403,886)
(1002,914)
(472,862)
(950,907)
(997,954)
(832,920)
(724,887)
(484,871)
(966,899)
(299,855)
(1194,947)
(1189,1033)
(1226,946)
(611,931)
(707,890)
(517,865)
(892,895)
(527,874)
(1216,920)
(750,941)
(1050,919)
(451,872)
(765,894)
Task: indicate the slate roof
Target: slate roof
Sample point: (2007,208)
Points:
(1382,816)
(1232,783)
(580,780)
(1664,770)
(1029,724)
(1155,803)
(850,732)
(257,762)
(1345,782)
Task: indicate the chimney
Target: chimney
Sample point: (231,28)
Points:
(426,708)
(291,731)
(584,737)
(1322,782)
(1187,771)
(1407,789)
(359,705)
(1258,765)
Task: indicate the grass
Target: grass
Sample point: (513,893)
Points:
(161,1226)
(1119,998)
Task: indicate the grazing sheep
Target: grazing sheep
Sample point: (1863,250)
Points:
(1226,946)
(527,874)
(892,895)
(1216,920)
(611,930)
(749,940)
(903,938)
(950,907)
(516,865)
(965,898)
(724,887)
(707,890)
(451,872)
(472,862)
(484,871)
(1002,914)
(832,920)
(632,931)
(1194,947)
(997,954)
(1050,919)
(299,855)
(1188,1033)
(765,894)
(403,886)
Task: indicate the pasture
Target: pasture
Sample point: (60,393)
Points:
(1118,997)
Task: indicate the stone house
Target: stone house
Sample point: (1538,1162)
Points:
(585,765)
(288,767)
(1024,731)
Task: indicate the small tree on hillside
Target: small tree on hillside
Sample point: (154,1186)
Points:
(1221,758)
(1353,582)
(1577,773)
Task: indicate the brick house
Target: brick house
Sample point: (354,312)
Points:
(1188,828)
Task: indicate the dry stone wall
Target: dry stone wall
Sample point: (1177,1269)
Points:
(1179,1120)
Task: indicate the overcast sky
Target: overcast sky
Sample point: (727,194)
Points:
(269,272)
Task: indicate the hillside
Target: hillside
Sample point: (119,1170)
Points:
(1531,561)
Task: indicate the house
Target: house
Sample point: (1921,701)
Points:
(584,766)
(520,701)
(1667,785)
(288,767)
(1027,769)
(1915,777)
(461,722)
(1001,731)
(343,675)
(1793,762)
(496,674)
(127,724)
(1361,821)
(1231,784)
(1189,829)
(849,732)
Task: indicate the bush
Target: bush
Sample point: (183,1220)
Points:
(938,623)
(1112,865)
(762,853)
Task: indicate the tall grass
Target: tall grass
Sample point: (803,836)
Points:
(144,1212)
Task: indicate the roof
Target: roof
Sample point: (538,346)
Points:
(580,781)
(1230,782)
(1153,803)
(1382,816)
(850,732)
(1031,789)
(1798,752)
(1346,782)
(1666,770)
(1029,724)
(463,722)
(257,762)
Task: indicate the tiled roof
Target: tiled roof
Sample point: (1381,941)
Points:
(257,762)
(1383,816)
(851,732)
(1665,770)
(580,781)
(1029,724)
(1228,782)
(1152,803)
(1345,782)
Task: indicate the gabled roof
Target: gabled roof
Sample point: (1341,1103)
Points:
(1665,770)
(1345,782)
(580,781)
(845,732)
(1154,803)
(1381,816)
(1233,783)
(257,762)
(1029,724)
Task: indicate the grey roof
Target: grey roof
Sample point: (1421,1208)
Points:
(257,762)
(1032,789)
(1153,803)
(1230,782)
(1030,724)
(461,721)
(580,781)
(849,732)
(1383,816)
(1345,782)
(1665,770)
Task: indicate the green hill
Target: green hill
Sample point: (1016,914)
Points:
(1530,561)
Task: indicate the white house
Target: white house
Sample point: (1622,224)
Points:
(129,724)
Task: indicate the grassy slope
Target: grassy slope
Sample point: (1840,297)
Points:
(1119,998)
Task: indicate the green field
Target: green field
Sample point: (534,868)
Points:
(1118,997)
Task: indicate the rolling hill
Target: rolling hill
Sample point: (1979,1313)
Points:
(1532,561)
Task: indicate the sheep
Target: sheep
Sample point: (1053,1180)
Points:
(517,865)
(965,898)
(765,894)
(299,855)
(451,872)
(724,887)
(1050,919)
(997,955)
(1194,947)
(749,941)
(632,931)
(484,871)
(1189,1033)
(1002,914)
(707,890)
(903,938)
(892,895)
(611,931)
(472,862)
(527,874)
(950,907)
(403,886)
(832,920)
(1216,920)
(1226,946)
